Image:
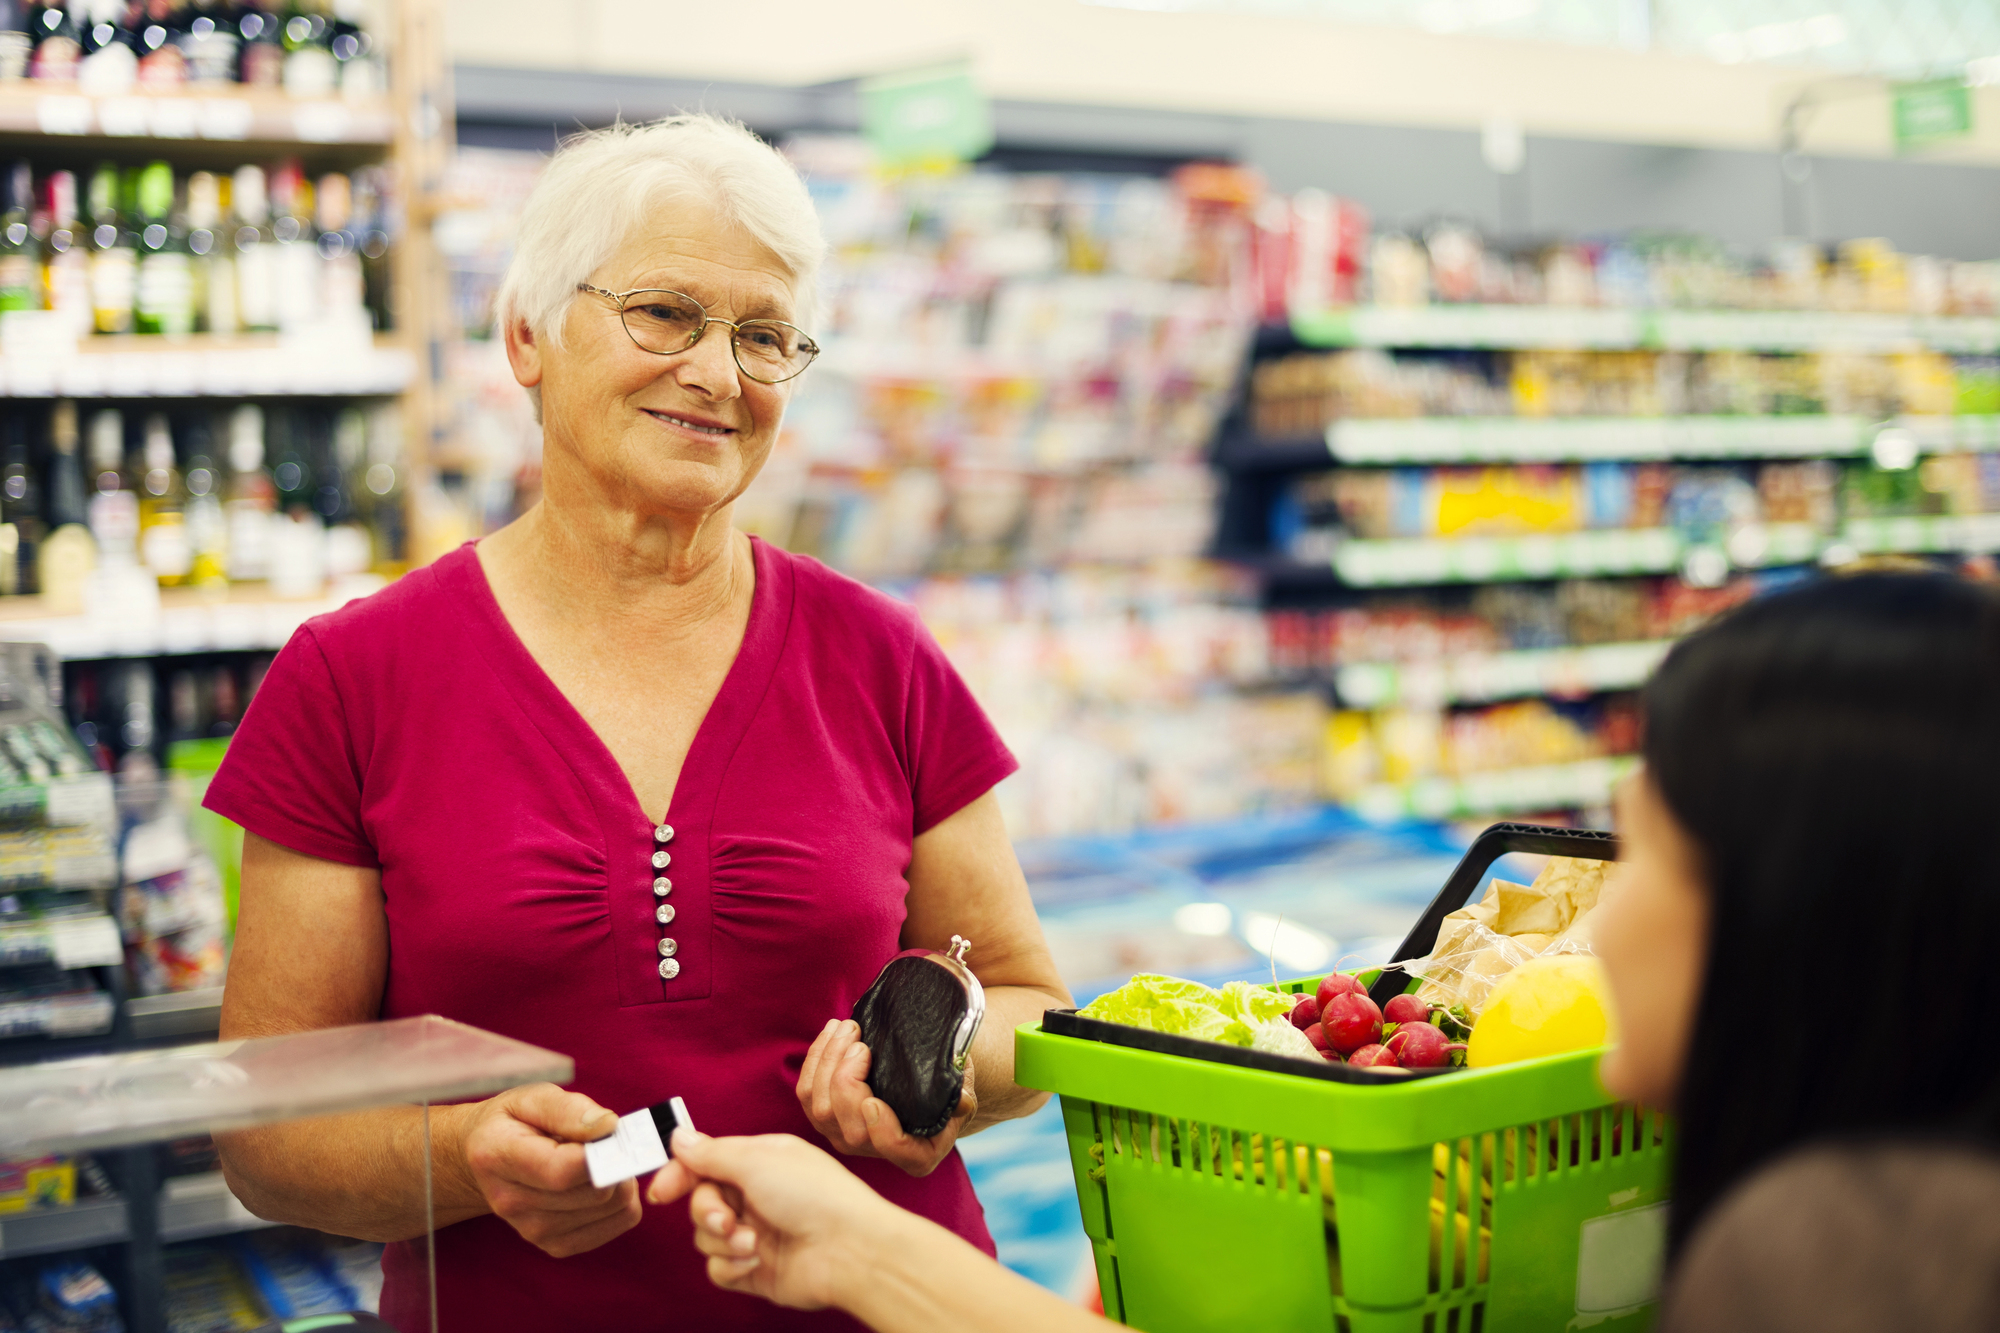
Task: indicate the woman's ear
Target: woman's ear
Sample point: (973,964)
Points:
(524,353)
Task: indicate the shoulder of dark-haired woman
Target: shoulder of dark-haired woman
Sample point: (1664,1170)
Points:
(1885,1234)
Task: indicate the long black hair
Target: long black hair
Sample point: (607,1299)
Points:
(1834,752)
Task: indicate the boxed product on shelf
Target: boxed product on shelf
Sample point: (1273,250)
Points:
(175,920)
(59,1295)
(41,1182)
(1451,263)
(1302,393)
(246,1282)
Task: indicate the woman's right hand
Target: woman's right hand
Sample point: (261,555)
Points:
(523,1151)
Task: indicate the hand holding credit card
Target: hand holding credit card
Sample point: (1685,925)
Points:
(637,1144)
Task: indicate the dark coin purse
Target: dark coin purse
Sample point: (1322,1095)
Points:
(918,1019)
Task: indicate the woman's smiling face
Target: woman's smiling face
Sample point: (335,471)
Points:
(685,433)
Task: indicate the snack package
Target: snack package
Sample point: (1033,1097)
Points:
(1481,943)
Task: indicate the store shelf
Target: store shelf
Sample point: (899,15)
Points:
(195,1206)
(86,1014)
(1386,562)
(1679,330)
(1586,439)
(1541,787)
(81,941)
(1484,677)
(191,1207)
(46,1230)
(229,116)
(40,360)
(193,1013)
(188,621)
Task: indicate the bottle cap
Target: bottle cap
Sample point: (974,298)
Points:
(156,191)
(246,438)
(248,197)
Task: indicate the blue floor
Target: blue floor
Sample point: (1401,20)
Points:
(1299,893)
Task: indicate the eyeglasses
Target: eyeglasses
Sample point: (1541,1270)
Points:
(769,351)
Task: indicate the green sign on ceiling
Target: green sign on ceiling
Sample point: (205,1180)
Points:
(930,115)
(1928,113)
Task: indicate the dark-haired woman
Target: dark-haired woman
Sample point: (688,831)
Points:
(1803,956)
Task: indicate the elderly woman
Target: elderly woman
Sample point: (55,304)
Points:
(623,782)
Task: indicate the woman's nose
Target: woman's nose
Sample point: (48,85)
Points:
(709,367)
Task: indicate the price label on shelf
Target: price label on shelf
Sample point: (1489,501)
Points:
(63,114)
(174,118)
(321,122)
(223,118)
(125,117)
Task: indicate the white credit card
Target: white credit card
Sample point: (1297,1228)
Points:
(637,1145)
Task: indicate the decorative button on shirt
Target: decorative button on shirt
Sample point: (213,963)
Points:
(662,887)
(661,860)
(668,948)
(669,969)
(664,833)
(665,914)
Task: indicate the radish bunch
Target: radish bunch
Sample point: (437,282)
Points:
(1344,1025)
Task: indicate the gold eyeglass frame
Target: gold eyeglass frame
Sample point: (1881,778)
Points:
(806,344)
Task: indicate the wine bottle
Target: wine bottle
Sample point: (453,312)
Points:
(349,549)
(114,507)
(371,228)
(69,552)
(57,47)
(164,293)
(343,293)
(298,533)
(212,259)
(20,509)
(162,57)
(251,502)
(207,525)
(110,64)
(208,43)
(360,61)
(163,535)
(295,259)
(20,288)
(66,255)
(17,43)
(310,69)
(256,252)
(260,61)
(114,255)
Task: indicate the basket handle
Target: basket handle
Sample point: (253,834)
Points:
(1492,844)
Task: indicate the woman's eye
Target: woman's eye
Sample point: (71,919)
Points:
(768,340)
(665,314)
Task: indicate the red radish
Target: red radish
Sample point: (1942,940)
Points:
(1317,1036)
(1406,1009)
(1351,1022)
(1332,1057)
(1338,983)
(1421,1046)
(1305,1013)
(1373,1057)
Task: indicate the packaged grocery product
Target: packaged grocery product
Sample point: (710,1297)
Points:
(1479,946)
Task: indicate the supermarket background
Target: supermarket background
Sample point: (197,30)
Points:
(1304,423)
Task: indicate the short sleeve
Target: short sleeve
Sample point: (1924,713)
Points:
(291,774)
(955,755)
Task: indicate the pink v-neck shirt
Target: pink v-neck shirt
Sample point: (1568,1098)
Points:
(412,731)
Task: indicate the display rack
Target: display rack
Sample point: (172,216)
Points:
(409,129)
(1340,568)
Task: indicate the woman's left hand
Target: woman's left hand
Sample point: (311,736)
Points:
(834,1091)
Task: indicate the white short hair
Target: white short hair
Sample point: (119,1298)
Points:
(601,186)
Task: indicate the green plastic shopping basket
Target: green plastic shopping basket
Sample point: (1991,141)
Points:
(1225,1192)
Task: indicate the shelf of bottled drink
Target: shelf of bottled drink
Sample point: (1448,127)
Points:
(228,116)
(239,618)
(208,366)
(1586,327)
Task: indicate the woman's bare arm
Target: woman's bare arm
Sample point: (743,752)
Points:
(780,1219)
(312,951)
(964,881)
